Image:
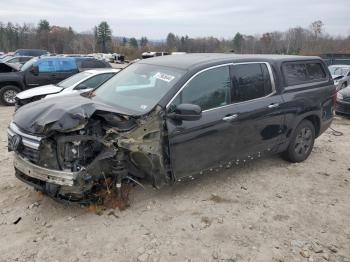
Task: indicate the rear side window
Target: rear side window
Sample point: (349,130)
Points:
(250,81)
(209,89)
(299,73)
(65,65)
(315,71)
(295,73)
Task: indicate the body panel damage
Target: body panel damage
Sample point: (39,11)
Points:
(7,68)
(63,114)
(87,147)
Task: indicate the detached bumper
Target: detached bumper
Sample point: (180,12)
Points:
(56,177)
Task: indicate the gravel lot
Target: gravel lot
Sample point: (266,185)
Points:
(268,210)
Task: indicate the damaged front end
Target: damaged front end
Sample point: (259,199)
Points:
(98,150)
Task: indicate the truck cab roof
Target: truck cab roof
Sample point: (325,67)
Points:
(191,61)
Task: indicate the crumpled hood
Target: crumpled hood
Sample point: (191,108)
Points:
(7,67)
(39,91)
(64,114)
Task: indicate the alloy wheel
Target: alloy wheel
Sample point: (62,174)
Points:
(9,96)
(303,141)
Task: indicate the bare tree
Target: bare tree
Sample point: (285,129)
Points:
(317,28)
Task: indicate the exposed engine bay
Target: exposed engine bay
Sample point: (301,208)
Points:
(100,153)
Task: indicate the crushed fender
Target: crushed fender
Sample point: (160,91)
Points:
(99,150)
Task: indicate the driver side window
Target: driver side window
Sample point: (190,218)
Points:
(208,90)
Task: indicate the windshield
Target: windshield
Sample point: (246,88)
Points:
(337,70)
(139,87)
(28,64)
(73,79)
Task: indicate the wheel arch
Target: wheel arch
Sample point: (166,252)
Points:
(315,120)
(11,83)
(312,117)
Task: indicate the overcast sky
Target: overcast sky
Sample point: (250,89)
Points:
(154,19)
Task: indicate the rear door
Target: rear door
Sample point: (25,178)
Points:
(64,68)
(259,120)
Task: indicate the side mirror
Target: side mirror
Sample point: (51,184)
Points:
(187,112)
(35,70)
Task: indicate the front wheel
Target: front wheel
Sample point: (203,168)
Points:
(301,143)
(8,95)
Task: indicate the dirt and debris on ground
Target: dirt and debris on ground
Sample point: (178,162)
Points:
(268,210)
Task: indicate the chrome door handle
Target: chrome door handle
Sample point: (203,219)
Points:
(230,118)
(273,105)
(179,130)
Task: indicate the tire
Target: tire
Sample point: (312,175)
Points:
(302,142)
(8,94)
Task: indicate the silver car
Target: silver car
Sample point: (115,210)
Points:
(341,75)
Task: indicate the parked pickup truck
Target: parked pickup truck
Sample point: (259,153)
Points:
(41,71)
(170,119)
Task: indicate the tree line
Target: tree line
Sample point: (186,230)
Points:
(57,39)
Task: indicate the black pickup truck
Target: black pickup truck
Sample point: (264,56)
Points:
(172,118)
(41,71)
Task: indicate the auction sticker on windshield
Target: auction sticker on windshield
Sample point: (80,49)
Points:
(164,77)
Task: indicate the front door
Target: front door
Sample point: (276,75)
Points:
(47,74)
(204,143)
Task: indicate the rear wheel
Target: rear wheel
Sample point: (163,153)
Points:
(301,143)
(8,94)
